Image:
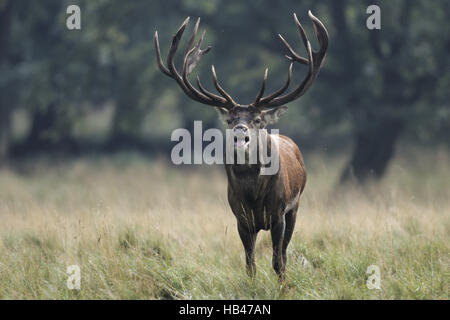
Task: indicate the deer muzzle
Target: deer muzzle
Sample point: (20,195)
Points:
(241,136)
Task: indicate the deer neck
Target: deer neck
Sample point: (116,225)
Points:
(247,178)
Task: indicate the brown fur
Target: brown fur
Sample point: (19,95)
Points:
(267,202)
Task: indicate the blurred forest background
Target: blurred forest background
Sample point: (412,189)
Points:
(98,89)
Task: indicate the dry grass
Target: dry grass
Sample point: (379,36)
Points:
(142,230)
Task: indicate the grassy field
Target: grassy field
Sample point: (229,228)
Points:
(139,229)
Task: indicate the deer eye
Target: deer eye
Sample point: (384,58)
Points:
(257,120)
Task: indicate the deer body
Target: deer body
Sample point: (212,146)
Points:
(258,201)
(267,202)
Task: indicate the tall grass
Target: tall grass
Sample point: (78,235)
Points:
(141,229)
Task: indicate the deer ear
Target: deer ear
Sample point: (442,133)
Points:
(223,113)
(272,115)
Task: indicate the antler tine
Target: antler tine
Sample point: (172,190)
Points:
(161,65)
(173,48)
(207,93)
(314,62)
(263,88)
(301,30)
(220,89)
(294,56)
(322,36)
(192,39)
(279,91)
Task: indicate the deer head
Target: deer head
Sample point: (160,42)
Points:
(265,109)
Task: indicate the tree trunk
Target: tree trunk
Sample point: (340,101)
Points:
(43,120)
(5,107)
(374,147)
(5,128)
(125,128)
(46,133)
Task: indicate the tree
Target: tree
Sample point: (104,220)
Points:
(398,79)
(5,101)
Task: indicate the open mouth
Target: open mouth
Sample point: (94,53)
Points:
(241,142)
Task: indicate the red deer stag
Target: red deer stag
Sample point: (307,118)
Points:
(259,202)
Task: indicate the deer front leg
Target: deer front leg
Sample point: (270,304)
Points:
(277,233)
(290,218)
(248,239)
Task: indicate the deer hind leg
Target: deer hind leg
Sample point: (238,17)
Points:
(290,224)
(277,232)
(248,239)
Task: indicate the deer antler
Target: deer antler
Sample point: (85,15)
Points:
(194,53)
(314,61)
(192,56)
